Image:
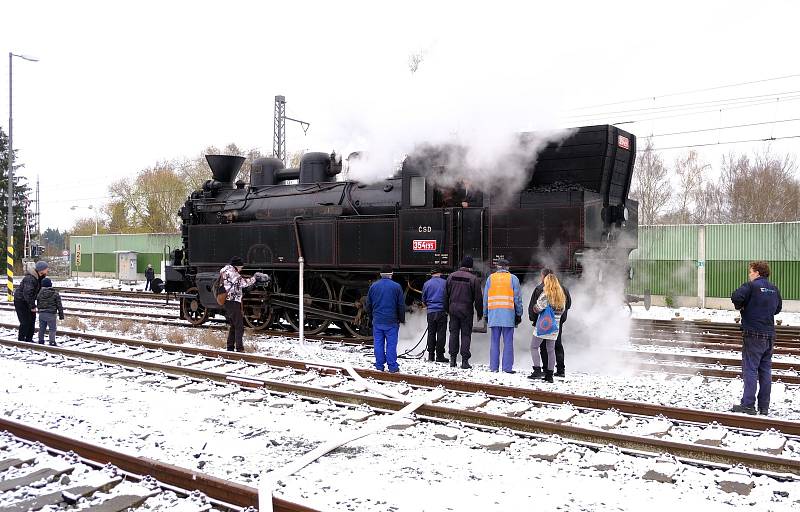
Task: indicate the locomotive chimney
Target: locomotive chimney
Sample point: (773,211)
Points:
(224,168)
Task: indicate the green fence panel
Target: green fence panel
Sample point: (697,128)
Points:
(105,262)
(740,242)
(722,277)
(664,277)
(153,259)
(671,243)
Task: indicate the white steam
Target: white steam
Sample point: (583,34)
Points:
(455,91)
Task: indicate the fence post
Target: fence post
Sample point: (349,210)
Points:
(701,265)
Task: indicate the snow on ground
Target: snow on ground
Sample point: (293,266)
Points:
(406,470)
(712,315)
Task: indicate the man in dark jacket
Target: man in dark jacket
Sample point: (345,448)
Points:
(48,302)
(433,293)
(463,293)
(387,307)
(534,316)
(759,301)
(25,299)
(149,275)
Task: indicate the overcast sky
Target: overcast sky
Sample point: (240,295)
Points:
(120,85)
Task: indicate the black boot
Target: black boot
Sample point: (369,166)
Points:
(560,373)
(537,373)
(453,361)
(548,375)
(430,356)
(465,364)
(441,359)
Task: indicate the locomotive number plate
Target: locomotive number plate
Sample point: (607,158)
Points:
(423,245)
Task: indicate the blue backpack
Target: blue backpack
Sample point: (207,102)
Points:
(546,323)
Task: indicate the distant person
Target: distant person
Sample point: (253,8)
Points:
(25,299)
(503,304)
(49,304)
(234,282)
(559,347)
(552,295)
(433,294)
(462,295)
(387,307)
(149,275)
(759,301)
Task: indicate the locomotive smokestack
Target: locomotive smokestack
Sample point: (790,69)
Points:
(224,168)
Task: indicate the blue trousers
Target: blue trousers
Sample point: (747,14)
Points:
(508,348)
(385,342)
(757,368)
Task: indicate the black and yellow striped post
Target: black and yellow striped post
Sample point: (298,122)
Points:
(10,269)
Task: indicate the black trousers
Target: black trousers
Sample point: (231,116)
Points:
(27,320)
(233,312)
(147,285)
(460,331)
(437,332)
(559,352)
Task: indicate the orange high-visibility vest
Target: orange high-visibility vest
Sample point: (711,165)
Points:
(501,293)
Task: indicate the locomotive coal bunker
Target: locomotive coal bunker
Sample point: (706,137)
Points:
(576,200)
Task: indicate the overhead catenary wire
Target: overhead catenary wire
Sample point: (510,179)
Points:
(691,91)
(688,146)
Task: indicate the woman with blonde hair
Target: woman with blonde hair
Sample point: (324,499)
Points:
(546,329)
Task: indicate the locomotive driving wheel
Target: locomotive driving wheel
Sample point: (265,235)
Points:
(257,311)
(317,294)
(351,302)
(194,312)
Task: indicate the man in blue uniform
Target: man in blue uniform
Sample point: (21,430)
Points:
(387,307)
(433,295)
(759,301)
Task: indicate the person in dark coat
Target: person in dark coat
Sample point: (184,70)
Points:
(25,300)
(387,307)
(462,294)
(533,315)
(48,302)
(759,301)
(433,293)
(149,275)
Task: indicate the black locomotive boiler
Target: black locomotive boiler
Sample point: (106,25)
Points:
(576,199)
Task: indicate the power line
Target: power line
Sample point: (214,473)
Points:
(769,139)
(697,104)
(725,127)
(693,91)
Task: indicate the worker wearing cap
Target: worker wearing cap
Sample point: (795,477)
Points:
(25,299)
(387,307)
(502,300)
(433,295)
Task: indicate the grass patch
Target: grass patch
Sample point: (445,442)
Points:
(74,323)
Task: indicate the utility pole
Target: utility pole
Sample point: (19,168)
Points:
(279,129)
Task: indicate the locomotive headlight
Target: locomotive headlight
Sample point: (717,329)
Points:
(625,213)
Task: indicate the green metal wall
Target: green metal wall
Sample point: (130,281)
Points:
(149,249)
(666,261)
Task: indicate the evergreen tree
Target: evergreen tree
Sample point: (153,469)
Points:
(21,191)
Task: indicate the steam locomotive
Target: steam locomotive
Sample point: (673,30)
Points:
(575,200)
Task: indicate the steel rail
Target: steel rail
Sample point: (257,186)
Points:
(759,462)
(495,390)
(187,479)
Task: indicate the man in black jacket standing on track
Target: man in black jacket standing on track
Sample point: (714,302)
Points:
(759,301)
(533,315)
(462,294)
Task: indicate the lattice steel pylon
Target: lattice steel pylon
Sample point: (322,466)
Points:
(279,129)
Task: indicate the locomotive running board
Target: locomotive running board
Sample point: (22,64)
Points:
(313,312)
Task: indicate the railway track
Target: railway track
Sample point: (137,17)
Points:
(530,412)
(40,468)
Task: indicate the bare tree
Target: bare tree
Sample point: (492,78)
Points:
(761,189)
(651,185)
(690,171)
